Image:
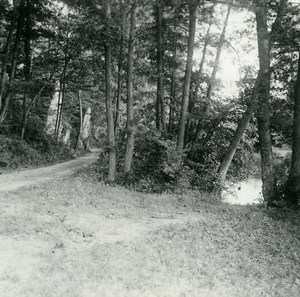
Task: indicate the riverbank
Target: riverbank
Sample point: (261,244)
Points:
(249,191)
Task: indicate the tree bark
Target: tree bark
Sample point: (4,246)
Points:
(27,67)
(130,112)
(61,95)
(188,72)
(4,101)
(112,163)
(27,41)
(293,183)
(226,161)
(15,54)
(263,115)
(160,100)
(79,141)
(120,80)
(173,79)
(218,55)
(242,127)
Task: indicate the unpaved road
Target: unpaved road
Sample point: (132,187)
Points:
(15,180)
(82,238)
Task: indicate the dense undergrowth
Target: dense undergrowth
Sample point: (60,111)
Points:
(158,167)
(15,153)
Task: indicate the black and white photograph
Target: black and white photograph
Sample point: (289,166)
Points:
(149,148)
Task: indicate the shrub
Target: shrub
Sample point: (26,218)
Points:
(42,150)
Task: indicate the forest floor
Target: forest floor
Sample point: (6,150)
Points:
(73,236)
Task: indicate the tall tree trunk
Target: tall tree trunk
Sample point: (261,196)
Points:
(112,163)
(15,54)
(241,129)
(263,115)
(27,68)
(204,51)
(226,161)
(188,72)
(79,141)
(27,41)
(4,101)
(61,95)
(213,77)
(293,184)
(60,110)
(218,55)
(173,79)
(130,112)
(120,81)
(6,53)
(160,104)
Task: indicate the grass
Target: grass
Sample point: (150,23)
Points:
(78,237)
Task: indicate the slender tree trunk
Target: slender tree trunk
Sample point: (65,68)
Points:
(293,184)
(62,84)
(218,55)
(120,81)
(213,77)
(188,73)
(204,51)
(226,161)
(27,41)
(263,114)
(15,54)
(160,100)
(112,163)
(4,101)
(79,141)
(241,129)
(27,68)
(173,79)
(59,116)
(6,53)
(130,113)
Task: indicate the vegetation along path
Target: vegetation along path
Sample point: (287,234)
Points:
(34,176)
(81,238)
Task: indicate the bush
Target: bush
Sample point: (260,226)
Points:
(43,150)
(157,166)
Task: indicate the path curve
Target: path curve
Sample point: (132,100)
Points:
(29,177)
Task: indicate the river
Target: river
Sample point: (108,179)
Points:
(249,191)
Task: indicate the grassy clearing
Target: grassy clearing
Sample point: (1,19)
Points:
(77,238)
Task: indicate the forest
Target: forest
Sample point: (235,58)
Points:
(160,107)
(150,77)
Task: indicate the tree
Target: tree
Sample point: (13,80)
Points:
(214,71)
(293,183)
(263,114)
(160,104)
(4,100)
(130,111)
(120,69)
(252,105)
(112,164)
(193,4)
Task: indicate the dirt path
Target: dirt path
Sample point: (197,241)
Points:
(29,177)
(82,238)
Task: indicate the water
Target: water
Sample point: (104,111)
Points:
(249,191)
(245,192)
